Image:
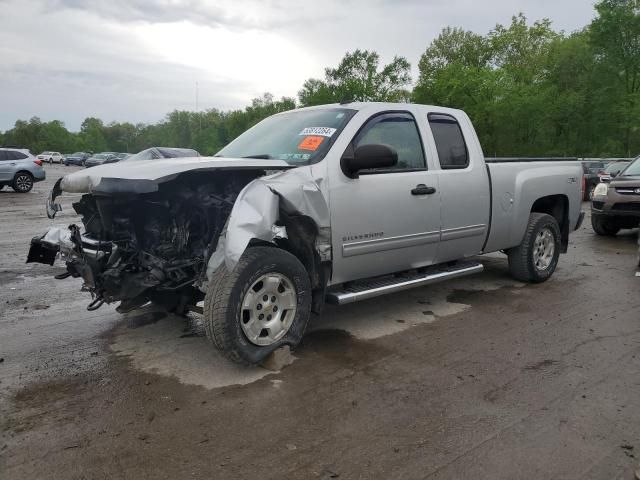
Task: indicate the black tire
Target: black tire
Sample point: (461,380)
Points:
(522,263)
(22,182)
(603,225)
(226,291)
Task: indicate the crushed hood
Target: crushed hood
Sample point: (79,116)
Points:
(144,176)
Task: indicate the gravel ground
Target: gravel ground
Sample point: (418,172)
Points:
(480,377)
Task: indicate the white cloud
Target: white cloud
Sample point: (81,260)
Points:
(139,59)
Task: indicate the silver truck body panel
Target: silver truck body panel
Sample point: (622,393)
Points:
(515,188)
(256,211)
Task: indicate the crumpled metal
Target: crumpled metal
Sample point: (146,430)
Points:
(60,236)
(256,212)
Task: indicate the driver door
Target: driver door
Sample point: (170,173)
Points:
(388,219)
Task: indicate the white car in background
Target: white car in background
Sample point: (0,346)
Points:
(51,157)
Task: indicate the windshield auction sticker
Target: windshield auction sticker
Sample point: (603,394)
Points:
(322,131)
(310,143)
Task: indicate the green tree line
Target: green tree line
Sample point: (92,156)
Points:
(530,90)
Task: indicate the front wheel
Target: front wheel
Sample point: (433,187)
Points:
(536,258)
(263,304)
(603,225)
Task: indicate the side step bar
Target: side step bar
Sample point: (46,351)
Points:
(364,289)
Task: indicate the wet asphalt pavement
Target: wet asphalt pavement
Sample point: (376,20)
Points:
(481,377)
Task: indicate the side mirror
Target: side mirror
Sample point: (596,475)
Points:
(367,157)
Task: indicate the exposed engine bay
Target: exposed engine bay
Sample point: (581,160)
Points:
(136,248)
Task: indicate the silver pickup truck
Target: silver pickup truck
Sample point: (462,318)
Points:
(336,203)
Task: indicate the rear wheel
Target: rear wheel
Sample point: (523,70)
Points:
(22,182)
(263,304)
(536,258)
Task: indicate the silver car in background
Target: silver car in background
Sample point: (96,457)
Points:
(20,169)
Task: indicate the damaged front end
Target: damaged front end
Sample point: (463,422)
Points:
(141,247)
(162,242)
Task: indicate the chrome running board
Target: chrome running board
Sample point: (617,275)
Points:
(364,289)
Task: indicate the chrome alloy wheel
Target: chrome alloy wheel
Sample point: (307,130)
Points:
(268,309)
(543,249)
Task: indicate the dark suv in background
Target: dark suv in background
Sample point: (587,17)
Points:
(77,158)
(616,201)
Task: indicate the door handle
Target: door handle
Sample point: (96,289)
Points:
(422,189)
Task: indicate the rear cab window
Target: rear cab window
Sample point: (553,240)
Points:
(450,144)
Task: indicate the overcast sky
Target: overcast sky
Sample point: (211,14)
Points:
(136,60)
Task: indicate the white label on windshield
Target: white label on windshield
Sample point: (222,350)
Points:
(322,131)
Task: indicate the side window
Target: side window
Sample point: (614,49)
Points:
(452,149)
(3,155)
(13,155)
(398,130)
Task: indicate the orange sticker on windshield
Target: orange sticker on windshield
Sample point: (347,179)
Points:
(311,143)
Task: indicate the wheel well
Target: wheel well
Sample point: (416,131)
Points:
(558,207)
(302,232)
(22,171)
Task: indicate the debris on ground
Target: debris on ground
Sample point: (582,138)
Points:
(279,359)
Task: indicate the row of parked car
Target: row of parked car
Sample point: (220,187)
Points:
(19,169)
(86,159)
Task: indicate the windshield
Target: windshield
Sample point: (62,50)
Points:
(615,167)
(296,137)
(633,170)
(100,156)
(77,154)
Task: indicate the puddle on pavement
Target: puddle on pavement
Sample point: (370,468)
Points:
(172,346)
(380,317)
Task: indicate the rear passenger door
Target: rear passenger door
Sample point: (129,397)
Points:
(464,186)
